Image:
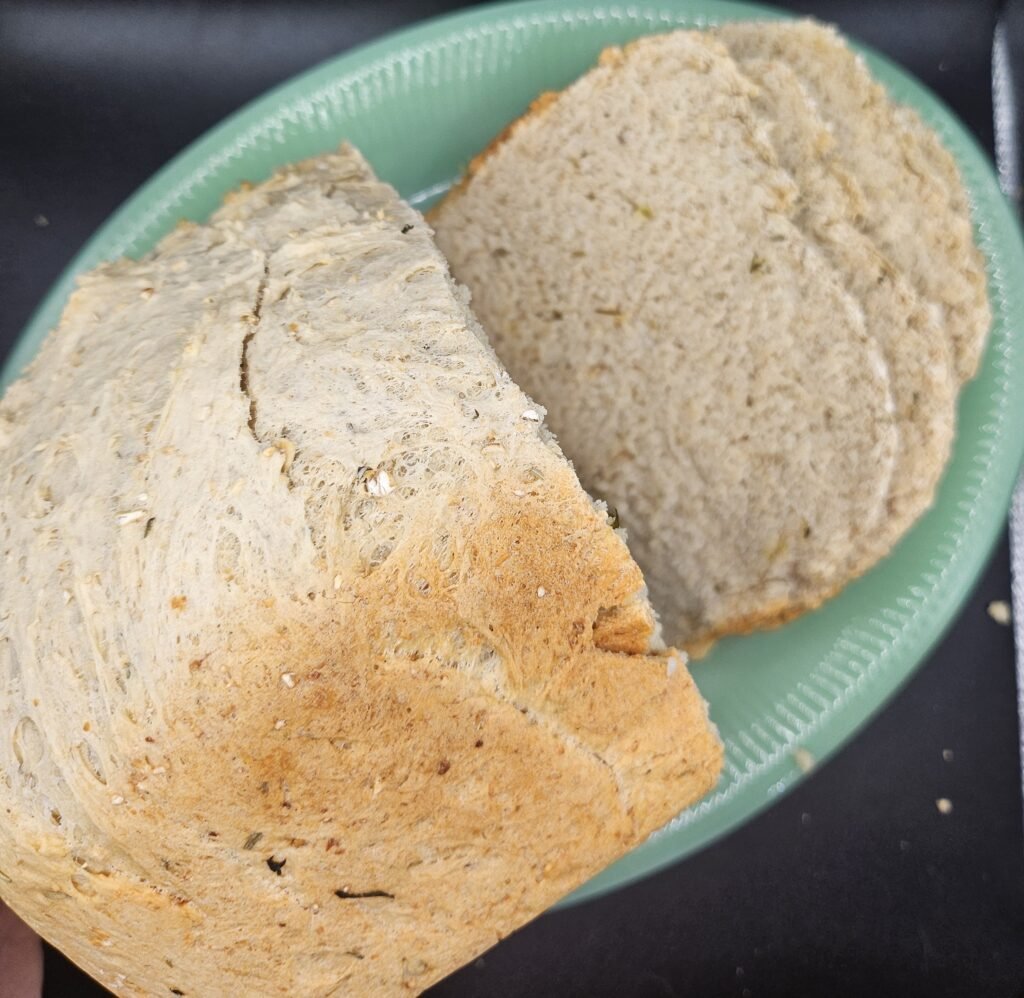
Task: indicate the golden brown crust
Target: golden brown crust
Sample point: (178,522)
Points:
(767,618)
(538,106)
(625,628)
(404,808)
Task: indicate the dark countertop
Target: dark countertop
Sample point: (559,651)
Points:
(852,884)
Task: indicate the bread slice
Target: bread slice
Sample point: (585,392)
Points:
(321,671)
(915,208)
(632,248)
(918,354)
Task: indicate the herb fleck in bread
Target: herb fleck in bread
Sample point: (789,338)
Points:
(321,672)
(915,207)
(633,249)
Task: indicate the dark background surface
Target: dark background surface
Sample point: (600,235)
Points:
(854,884)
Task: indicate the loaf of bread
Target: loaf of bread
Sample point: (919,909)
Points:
(648,270)
(321,671)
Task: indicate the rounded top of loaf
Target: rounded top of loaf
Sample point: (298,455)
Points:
(320,669)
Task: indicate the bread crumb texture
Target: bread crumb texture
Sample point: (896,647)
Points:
(725,293)
(634,253)
(285,714)
(915,207)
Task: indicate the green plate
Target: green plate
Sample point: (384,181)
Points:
(419,104)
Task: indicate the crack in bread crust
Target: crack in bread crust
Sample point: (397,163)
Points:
(274,607)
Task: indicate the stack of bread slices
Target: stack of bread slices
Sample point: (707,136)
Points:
(743,282)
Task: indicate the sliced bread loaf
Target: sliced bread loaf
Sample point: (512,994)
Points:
(321,672)
(915,208)
(924,383)
(632,247)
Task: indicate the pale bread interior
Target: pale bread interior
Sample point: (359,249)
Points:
(643,265)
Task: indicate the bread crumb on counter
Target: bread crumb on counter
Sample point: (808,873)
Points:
(804,759)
